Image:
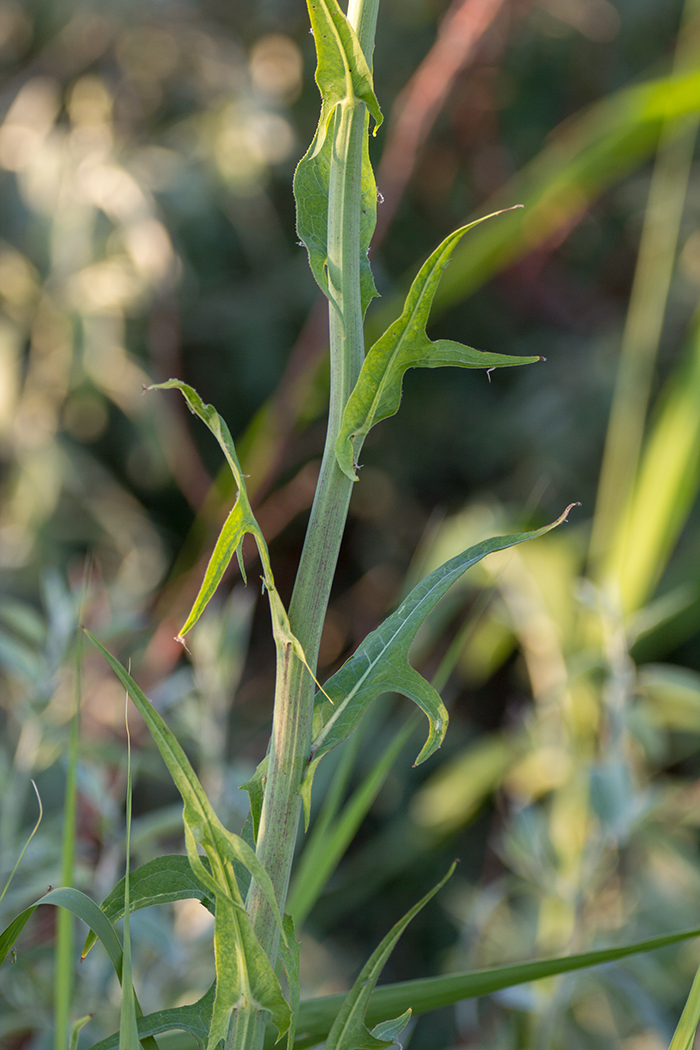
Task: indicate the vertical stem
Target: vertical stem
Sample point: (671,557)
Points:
(291,730)
(65,923)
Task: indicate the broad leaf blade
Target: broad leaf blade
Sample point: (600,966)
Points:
(158,881)
(77,903)
(194,1019)
(349,1031)
(404,345)
(380,664)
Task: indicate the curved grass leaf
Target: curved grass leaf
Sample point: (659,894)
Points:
(128,1031)
(404,345)
(380,664)
(316,1016)
(684,1035)
(194,1019)
(158,881)
(79,904)
(244,973)
(349,1031)
(343,78)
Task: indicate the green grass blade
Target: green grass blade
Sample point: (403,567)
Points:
(317,1015)
(684,1035)
(349,1031)
(330,839)
(128,1032)
(381,665)
(404,345)
(665,489)
(65,927)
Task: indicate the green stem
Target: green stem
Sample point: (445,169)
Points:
(291,729)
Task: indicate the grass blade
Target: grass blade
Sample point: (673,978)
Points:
(317,1015)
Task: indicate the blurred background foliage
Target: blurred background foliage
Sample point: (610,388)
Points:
(146,231)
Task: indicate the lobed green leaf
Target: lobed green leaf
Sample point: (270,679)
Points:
(404,345)
(380,664)
(349,1031)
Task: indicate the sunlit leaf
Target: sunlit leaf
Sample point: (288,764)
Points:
(684,1035)
(404,345)
(241,519)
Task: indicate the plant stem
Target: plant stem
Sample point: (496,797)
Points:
(291,730)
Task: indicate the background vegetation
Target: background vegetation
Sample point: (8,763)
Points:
(147,230)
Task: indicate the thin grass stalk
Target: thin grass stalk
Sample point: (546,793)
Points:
(64,953)
(645,315)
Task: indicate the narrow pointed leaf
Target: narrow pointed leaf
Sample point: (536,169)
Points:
(684,1035)
(349,1031)
(128,1031)
(316,1016)
(343,78)
(241,519)
(404,345)
(380,664)
(244,973)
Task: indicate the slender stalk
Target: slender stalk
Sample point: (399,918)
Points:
(291,730)
(644,322)
(65,923)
